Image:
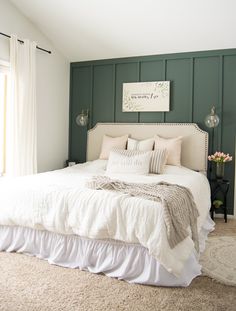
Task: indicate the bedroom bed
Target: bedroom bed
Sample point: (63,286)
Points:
(56,217)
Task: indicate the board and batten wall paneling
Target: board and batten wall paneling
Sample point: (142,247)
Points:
(128,72)
(179,73)
(152,71)
(229,117)
(103,94)
(206,87)
(198,80)
(206,92)
(80,99)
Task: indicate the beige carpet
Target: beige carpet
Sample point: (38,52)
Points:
(30,284)
(27,283)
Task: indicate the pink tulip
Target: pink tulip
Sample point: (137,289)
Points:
(220,157)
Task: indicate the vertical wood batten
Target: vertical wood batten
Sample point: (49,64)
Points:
(114,92)
(139,78)
(221,79)
(91,97)
(191,89)
(164,79)
(70,111)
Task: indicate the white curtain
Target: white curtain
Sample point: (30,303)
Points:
(21,142)
(4,81)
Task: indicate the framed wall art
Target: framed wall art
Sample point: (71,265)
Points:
(146,96)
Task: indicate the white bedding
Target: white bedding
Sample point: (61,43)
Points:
(58,201)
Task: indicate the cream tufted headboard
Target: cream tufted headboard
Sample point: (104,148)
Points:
(194,146)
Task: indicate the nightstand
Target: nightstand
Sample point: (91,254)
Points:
(219,191)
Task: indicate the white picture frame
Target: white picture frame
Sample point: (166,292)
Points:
(146,96)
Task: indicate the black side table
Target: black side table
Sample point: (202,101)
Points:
(219,190)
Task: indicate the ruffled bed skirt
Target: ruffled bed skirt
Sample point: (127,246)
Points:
(130,262)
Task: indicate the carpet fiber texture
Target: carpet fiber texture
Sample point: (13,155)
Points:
(219,259)
(31,284)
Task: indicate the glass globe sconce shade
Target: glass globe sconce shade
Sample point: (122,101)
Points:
(212,120)
(82,118)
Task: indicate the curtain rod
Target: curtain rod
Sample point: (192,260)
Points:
(21,41)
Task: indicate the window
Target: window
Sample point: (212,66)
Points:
(4,85)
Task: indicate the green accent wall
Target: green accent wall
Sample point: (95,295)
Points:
(199,80)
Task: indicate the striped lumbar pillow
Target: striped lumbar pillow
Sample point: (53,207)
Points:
(136,161)
(158,161)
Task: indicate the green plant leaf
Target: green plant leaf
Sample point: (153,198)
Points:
(217,203)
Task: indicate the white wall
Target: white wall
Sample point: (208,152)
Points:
(52,88)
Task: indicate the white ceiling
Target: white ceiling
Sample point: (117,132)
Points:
(100,29)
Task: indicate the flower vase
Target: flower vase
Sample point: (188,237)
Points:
(220,169)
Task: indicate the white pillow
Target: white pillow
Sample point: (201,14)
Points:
(144,145)
(129,162)
(110,143)
(158,161)
(173,147)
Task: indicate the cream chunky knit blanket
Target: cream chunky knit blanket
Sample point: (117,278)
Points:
(180,211)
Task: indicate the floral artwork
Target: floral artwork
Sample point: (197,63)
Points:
(146,96)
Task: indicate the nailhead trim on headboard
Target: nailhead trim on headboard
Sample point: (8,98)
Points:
(96,133)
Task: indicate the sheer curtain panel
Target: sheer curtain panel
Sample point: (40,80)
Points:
(21,146)
(4,82)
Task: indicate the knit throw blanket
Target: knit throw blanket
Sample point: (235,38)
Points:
(180,211)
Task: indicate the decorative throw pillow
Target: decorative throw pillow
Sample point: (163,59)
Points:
(129,162)
(173,147)
(110,143)
(143,145)
(158,161)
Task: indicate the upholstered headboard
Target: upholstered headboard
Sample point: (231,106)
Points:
(194,146)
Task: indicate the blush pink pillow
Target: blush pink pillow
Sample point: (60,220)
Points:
(110,143)
(173,147)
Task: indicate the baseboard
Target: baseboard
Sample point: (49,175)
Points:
(222,216)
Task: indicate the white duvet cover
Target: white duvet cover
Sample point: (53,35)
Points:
(58,201)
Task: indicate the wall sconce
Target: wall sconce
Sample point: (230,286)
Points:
(82,118)
(212,120)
